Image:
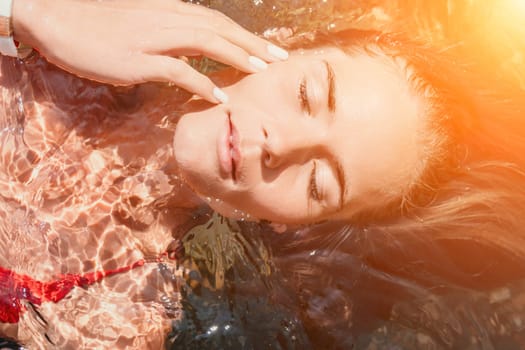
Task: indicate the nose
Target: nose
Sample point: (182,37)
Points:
(289,143)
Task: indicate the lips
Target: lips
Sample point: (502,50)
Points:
(228,149)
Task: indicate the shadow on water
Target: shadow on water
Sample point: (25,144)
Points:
(231,296)
(251,289)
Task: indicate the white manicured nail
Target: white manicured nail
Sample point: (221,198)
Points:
(277,52)
(257,63)
(220,95)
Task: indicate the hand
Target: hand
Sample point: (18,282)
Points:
(127,42)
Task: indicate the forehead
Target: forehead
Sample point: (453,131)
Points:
(377,126)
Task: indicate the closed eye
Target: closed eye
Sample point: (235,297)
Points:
(313,190)
(303,97)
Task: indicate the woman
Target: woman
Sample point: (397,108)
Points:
(451,226)
(359,127)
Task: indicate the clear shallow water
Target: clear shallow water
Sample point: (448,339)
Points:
(77,200)
(94,194)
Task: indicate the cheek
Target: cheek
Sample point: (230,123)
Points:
(260,88)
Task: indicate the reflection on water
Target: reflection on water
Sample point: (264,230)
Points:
(87,184)
(79,200)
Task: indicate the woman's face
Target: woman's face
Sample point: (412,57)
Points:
(321,134)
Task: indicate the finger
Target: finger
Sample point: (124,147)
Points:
(172,70)
(206,42)
(230,30)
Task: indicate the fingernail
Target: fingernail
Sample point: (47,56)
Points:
(220,95)
(277,52)
(257,63)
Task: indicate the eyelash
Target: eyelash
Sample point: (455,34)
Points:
(303,96)
(312,187)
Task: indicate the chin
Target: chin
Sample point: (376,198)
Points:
(203,186)
(193,151)
(194,164)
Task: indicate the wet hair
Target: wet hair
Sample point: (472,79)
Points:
(459,226)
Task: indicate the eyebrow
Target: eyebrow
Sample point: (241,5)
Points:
(330,76)
(340,171)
